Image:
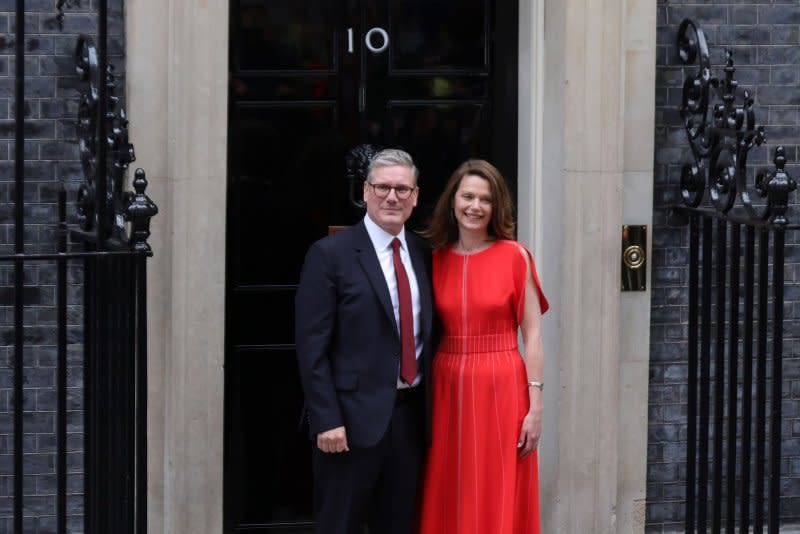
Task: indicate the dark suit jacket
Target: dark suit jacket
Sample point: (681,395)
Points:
(348,346)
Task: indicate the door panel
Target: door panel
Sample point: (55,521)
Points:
(438,88)
(304,90)
(251,325)
(283,158)
(292,35)
(271,467)
(439,35)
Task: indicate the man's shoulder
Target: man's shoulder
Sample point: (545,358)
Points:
(340,239)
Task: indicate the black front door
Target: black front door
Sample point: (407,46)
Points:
(310,80)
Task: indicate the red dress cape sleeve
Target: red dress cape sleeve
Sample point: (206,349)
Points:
(544,305)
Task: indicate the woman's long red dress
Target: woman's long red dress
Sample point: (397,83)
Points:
(475,482)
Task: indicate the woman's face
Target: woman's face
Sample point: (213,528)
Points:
(472,204)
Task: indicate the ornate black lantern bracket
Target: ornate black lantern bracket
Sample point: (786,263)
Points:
(721,134)
(357,160)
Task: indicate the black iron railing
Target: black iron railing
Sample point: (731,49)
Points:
(722,202)
(109,248)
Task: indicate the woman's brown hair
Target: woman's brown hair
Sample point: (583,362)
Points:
(443,229)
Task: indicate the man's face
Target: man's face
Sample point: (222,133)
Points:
(392,212)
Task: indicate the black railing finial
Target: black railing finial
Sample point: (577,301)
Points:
(776,186)
(139,209)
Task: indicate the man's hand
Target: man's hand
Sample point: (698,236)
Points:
(333,440)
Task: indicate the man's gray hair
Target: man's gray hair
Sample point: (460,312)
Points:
(390,157)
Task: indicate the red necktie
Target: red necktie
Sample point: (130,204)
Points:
(408,361)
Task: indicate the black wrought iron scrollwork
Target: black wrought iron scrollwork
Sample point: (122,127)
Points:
(120,152)
(88,70)
(694,108)
(85,205)
(721,134)
(357,160)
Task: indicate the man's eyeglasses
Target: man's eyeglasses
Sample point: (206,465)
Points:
(383,190)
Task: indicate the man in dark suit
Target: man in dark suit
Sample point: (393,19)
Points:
(364,316)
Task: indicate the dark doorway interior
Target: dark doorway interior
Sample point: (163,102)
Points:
(309,81)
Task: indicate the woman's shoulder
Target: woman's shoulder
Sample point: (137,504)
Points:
(511,247)
(514,254)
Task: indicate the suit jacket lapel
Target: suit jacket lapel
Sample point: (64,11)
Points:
(368,258)
(424,284)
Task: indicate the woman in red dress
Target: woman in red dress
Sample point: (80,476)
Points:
(482,472)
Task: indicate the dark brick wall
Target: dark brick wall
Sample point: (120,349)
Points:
(765,38)
(51,153)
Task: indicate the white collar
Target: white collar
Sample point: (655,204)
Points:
(381,239)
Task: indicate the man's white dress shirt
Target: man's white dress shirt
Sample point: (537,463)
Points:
(382,241)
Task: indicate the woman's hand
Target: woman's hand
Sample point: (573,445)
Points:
(530,432)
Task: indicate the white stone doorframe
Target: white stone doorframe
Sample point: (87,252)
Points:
(586,133)
(581,175)
(177,65)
